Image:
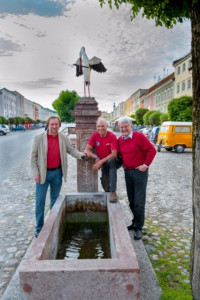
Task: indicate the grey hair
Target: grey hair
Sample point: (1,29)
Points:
(102,119)
(125,120)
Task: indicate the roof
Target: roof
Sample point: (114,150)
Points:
(176,123)
(175,62)
(160,83)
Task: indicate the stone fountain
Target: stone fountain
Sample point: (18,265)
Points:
(42,276)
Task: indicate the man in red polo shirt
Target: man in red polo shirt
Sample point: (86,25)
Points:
(49,165)
(105,144)
(137,154)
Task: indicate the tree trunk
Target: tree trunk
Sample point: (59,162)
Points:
(195,249)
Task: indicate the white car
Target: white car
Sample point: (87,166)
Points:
(4,129)
(70,131)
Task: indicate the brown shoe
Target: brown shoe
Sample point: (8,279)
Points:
(113,197)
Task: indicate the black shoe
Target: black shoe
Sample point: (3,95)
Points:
(131,227)
(36,234)
(137,234)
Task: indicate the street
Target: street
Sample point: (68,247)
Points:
(15,148)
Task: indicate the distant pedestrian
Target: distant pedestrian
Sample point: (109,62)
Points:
(49,164)
(104,143)
(137,154)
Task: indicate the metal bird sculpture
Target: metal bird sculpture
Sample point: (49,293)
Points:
(84,66)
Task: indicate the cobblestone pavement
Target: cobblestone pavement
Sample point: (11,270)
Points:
(169,203)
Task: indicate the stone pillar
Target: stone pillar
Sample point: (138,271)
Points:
(86,114)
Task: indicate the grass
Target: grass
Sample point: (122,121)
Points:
(170,259)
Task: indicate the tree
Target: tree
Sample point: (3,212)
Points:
(154,118)
(146,117)
(139,115)
(163,118)
(168,13)
(180,109)
(65,104)
(3,120)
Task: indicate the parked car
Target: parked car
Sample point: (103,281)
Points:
(154,134)
(146,132)
(70,131)
(174,135)
(4,129)
(19,127)
(138,127)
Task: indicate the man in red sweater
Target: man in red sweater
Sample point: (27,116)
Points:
(137,154)
(105,144)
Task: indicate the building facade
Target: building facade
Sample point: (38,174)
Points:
(13,104)
(183,76)
(164,93)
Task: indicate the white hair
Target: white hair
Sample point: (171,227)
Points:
(125,120)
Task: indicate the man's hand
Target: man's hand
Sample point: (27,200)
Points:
(97,165)
(142,168)
(84,156)
(37,178)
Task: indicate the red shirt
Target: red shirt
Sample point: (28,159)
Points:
(53,152)
(103,145)
(136,151)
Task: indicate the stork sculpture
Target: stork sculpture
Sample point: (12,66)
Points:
(84,66)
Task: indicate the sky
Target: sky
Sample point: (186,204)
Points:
(40,41)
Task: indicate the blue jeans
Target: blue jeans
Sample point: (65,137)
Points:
(109,174)
(54,179)
(136,184)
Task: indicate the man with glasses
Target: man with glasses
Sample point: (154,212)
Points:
(137,154)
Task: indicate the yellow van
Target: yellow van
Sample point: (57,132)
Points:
(175,135)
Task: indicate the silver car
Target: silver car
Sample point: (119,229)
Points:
(4,129)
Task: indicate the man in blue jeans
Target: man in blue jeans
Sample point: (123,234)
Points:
(104,143)
(49,165)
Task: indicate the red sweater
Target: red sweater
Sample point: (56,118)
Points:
(136,151)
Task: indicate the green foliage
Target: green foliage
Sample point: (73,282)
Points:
(65,104)
(180,109)
(154,118)
(165,12)
(3,120)
(19,120)
(28,119)
(146,117)
(139,115)
(163,118)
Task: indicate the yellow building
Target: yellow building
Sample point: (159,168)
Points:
(183,76)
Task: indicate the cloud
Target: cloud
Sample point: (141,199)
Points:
(8,48)
(44,49)
(42,83)
(45,8)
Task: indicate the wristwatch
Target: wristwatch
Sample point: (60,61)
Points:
(96,157)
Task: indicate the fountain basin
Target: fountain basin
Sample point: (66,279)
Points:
(42,276)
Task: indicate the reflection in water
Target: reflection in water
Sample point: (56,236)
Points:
(85,240)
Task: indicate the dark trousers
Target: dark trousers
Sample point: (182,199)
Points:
(136,184)
(109,174)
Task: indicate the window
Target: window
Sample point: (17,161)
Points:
(178,88)
(190,64)
(183,86)
(183,68)
(164,129)
(182,129)
(178,70)
(189,84)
